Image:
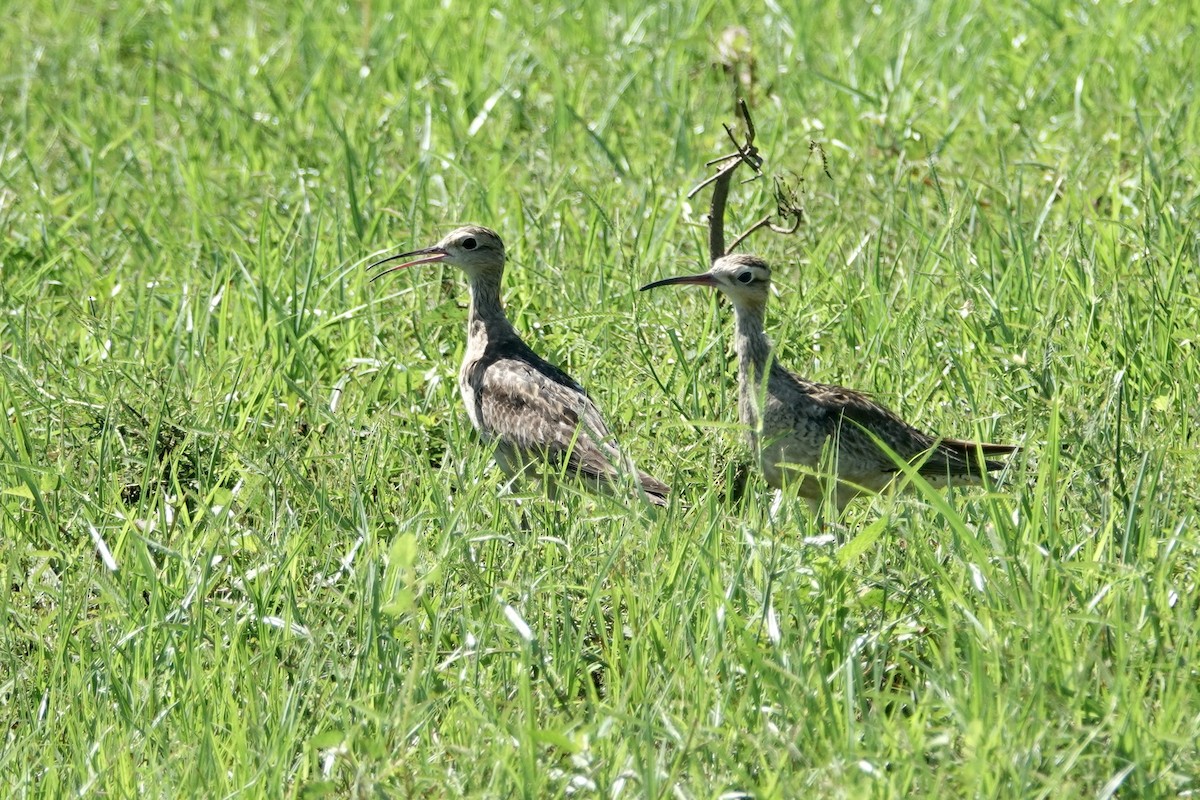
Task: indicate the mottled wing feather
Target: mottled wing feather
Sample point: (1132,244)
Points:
(534,413)
(535,407)
(945,456)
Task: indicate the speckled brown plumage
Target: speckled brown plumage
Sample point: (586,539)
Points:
(794,423)
(541,421)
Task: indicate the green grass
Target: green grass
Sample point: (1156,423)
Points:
(314,588)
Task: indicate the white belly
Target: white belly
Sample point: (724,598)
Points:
(468,398)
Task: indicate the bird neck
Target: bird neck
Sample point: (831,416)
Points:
(486,318)
(750,342)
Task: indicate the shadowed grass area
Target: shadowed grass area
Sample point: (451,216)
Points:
(252,548)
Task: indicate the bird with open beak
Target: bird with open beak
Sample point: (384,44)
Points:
(540,421)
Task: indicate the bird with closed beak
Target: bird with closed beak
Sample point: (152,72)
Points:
(792,421)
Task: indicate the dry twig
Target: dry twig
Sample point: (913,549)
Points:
(787,200)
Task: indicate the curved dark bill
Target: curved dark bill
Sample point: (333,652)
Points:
(704,279)
(431,255)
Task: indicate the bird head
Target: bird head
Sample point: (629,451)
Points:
(474,249)
(745,280)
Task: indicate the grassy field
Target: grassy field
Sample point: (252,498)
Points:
(251,547)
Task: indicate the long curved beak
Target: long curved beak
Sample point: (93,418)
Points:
(431,256)
(704,279)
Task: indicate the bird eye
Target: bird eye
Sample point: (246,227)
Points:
(745,277)
(469,243)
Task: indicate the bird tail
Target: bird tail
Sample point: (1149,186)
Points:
(987,448)
(970,451)
(656,491)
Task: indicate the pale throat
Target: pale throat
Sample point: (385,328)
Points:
(750,341)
